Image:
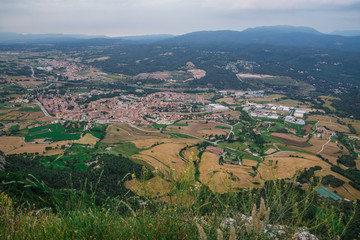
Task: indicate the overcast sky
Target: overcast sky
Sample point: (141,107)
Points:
(139,17)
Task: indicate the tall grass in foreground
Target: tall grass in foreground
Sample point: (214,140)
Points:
(190,211)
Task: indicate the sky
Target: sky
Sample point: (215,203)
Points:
(142,17)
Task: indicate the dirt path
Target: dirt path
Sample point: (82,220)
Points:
(323,146)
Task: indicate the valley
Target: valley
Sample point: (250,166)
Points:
(161,121)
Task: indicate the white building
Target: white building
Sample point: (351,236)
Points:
(299,113)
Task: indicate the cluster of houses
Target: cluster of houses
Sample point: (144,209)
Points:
(161,107)
(226,157)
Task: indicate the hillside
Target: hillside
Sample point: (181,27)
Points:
(278,36)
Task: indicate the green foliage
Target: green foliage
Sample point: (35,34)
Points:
(14,128)
(352,129)
(307,175)
(112,170)
(277,203)
(352,173)
(332,181)
(347,160)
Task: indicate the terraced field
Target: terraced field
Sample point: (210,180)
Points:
(123,132)
(200,128)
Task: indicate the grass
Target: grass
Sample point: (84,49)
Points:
(222,127)
(123,148)
(205,216)
(55,132)
(235,145)
(178,135)
(270,139)
(180,124)
(29,109)
(159,126)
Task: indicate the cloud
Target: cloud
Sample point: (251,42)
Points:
(171,16)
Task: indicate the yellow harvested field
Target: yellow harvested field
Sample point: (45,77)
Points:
(225,99)
(308,129)
(324,172)
(276,96)
(330,151)
(53,152)
(223,178)
(199,128)
(323,118)
(16,145)
(286,167)
(97,59)
(270,151)
(146,143)
(123,132)
(208,132)
(290,103)
(290,139)
(191,153)
(6,110)
(348,192)
(7,144)
(166,156)
(355,123)
(248,162)
(334,126)
(39,116)
(327,102)
(24,81)
(234,114)
(158,188)
(87,139)
(329,122)
(357,164)
(154,187)
(345,190)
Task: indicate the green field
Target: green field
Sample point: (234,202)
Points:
(222,127)
(30,109)
(124,148)
(180,124)
(235,145)
(178,135)
(54,132)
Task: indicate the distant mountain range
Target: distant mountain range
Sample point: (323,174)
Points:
(276,35)
(271,35)
(18,38)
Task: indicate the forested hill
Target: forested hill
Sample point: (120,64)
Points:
(271,35)
(278,36)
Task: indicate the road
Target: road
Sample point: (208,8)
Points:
(193,136)
(32,72)
(43,109)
